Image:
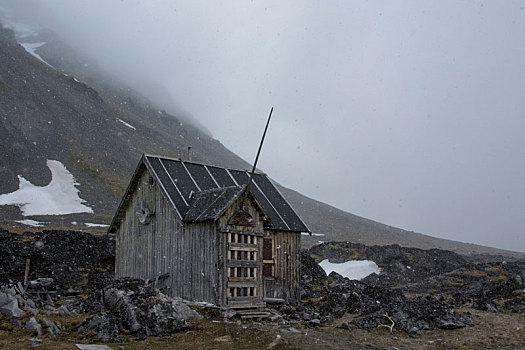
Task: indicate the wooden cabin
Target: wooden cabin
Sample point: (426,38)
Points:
(198,233)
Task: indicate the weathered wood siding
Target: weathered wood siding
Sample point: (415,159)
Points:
(188,253)
(137,245)
(287,268)
(200,243)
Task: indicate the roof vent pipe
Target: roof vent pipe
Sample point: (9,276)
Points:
(189,152)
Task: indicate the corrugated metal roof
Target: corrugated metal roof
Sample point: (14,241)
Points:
(180,179)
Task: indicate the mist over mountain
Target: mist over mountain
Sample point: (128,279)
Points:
(57,105)
(98,134)
(408,114)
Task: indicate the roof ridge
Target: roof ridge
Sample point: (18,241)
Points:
(200,163)
(217,189)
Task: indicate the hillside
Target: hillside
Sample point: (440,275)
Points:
(98,135)
(57,105)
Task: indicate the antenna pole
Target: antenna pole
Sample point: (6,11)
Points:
(258,153)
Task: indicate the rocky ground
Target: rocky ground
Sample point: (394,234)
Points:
(421,299)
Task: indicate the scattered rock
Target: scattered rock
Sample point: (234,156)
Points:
(292,330)
(54,328)
(105,325)
(129,305)
(41,282)
(9,305)
(224,339)
(278,340)
(35,342)
(92,347)
(454,323)
(344,325)
(315,322)
(64,311)
(60,260)
(140,309)
(519,280)
(457,281)
(33,325)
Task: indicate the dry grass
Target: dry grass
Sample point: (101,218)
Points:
(475,273)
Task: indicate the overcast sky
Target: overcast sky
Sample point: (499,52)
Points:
(411,113)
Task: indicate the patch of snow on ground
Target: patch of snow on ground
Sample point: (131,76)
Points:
(354,269)
(59,197)
(32,223)
(128,125)
(89,224)
(312,234)
(31,47)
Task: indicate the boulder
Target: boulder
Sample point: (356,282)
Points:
(9,306)
(53,327)
(105,325)
(33,325)
(133,306)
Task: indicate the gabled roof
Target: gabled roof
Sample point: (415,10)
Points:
(210,204)
(180,180)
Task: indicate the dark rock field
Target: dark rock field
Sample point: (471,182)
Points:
(71,273)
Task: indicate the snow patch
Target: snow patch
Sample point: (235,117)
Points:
(312,234)
(89,224)
(59,197)
(128,125)
(31,47)
(32,223)
(353,269)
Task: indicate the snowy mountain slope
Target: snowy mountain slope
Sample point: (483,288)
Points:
(99,137)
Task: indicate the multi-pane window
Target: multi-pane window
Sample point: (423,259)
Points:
(241,238)
(243,292)
(242,273)
(237,253)
(247,272)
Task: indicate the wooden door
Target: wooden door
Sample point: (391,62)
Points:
(268,268)
(243,269)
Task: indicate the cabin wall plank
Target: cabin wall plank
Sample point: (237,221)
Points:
(286,247)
